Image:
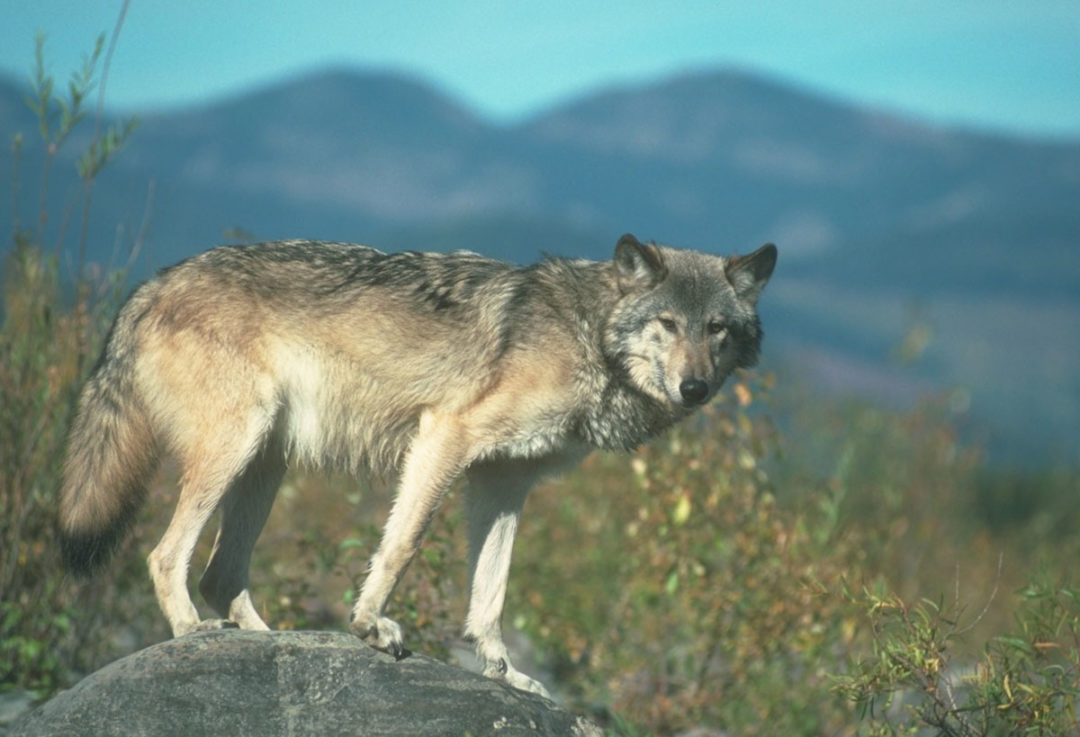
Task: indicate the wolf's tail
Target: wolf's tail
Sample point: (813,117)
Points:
(111,455)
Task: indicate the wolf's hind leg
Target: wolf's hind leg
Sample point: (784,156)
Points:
(210,463)
(494,498)
(246,506)
(170,560)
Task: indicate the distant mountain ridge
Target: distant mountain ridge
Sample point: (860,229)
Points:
(878,218)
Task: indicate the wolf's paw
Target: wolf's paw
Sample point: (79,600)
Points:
(501,670)
(205,625)
(519,680)
(381,633)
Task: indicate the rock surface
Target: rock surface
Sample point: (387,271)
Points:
(235,682)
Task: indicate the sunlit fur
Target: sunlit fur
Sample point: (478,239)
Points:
(414,366)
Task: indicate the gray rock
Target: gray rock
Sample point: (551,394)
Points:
(234,682)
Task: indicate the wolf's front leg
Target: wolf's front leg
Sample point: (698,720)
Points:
(494,498)
(435,458)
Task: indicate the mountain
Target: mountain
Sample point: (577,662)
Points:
(965,242)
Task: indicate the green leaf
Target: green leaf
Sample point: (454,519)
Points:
(1016,643)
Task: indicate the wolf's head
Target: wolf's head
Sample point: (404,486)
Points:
(685,320)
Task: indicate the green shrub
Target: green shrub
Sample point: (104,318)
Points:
(50,331)
(1026,682)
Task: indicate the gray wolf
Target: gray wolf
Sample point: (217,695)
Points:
(419,365)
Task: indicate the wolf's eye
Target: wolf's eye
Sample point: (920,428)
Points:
(716,327)
(668,324)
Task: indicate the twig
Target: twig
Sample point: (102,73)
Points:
(96,140)
(993,595)
(144,226)
(16,158)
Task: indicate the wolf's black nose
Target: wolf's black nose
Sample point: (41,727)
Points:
(694,391)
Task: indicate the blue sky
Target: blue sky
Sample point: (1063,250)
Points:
(998,64)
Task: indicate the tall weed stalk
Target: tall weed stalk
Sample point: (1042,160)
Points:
(50,329)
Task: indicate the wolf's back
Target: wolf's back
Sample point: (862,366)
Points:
(111,452)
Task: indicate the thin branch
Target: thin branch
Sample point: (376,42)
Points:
(993,595)
(144,226)
(96,140)
(16,159)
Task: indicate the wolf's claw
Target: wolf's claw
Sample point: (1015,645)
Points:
(382,634)
(519,680)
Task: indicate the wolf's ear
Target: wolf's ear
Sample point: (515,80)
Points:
(749,274)
(638,266)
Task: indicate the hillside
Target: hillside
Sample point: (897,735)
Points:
(884,224)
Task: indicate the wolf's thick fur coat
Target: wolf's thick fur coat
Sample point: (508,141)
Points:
(415,365)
